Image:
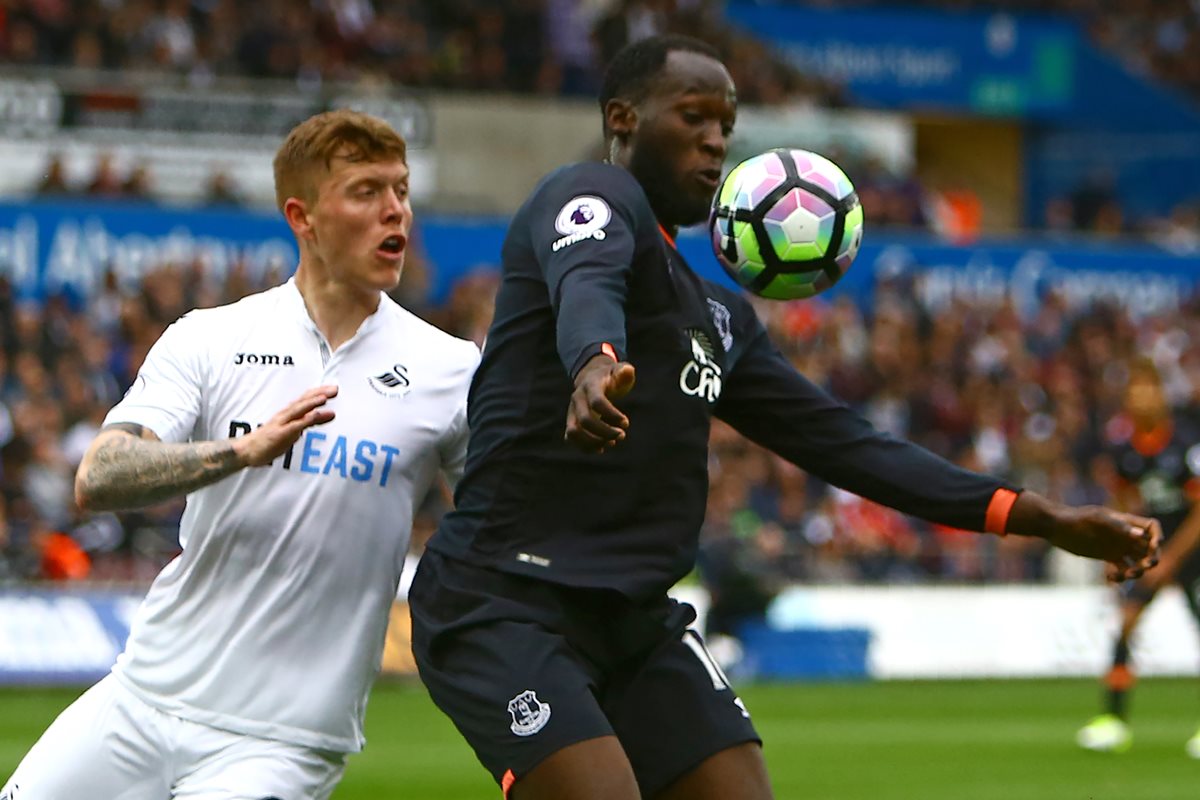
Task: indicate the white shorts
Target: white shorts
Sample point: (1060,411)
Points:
(109,745)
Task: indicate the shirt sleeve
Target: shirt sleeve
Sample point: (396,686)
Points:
(453,446)
(772,404)
(584,228)
(167,394)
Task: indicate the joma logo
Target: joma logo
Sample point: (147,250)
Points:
(267,359)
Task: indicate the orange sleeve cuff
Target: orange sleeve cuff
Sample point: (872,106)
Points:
(609,351)
(996,519)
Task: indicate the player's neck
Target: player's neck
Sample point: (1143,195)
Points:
(335,309)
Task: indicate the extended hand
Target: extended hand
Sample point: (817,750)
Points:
(271,440)
(593,422)
(1127,542)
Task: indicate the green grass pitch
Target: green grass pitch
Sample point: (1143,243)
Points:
(970,740)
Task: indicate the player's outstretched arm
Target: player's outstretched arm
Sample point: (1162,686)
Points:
(771,403)
(127,466)
(1127,542)
(594,423)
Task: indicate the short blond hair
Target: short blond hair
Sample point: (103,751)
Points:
(314,143)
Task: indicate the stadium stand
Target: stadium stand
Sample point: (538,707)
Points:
(547,47)
(1030,397)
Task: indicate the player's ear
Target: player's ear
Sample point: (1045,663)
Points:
(295,211)
(620,118)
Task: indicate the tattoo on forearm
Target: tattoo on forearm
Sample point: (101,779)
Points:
(133,468)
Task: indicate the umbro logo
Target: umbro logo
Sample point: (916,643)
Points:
(391,383)
(266,359)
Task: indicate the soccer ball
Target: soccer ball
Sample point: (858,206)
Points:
(786,224)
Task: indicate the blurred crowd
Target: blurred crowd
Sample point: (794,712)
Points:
(1094,208)
(105,181)
(546,46)
(554,47)
(543,46)
(62,366)
(1035,399)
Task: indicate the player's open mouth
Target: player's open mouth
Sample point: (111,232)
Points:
(709,177)
(392,246)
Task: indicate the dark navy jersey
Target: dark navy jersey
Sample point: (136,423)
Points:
(1164,466)
(585,263)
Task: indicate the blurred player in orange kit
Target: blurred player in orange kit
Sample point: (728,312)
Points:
(1159,462)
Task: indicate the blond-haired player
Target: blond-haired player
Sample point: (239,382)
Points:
(303,423)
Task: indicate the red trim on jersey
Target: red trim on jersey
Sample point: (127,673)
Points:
(1000,506)
(507,782)
(1151,442)
(670,239)
(610,351)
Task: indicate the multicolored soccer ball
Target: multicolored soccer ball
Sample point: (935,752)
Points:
(786,224)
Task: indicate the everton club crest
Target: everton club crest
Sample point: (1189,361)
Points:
(529,715)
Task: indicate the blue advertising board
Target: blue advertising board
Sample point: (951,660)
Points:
(989,63)
(1133,275)
(1141,137)
(62,637)
(1138,277)
(1091,117)
(47,248)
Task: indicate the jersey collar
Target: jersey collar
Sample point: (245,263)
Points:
(298,309)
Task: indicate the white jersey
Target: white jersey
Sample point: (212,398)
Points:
(271,622)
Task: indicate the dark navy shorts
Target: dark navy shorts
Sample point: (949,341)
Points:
(526,667)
